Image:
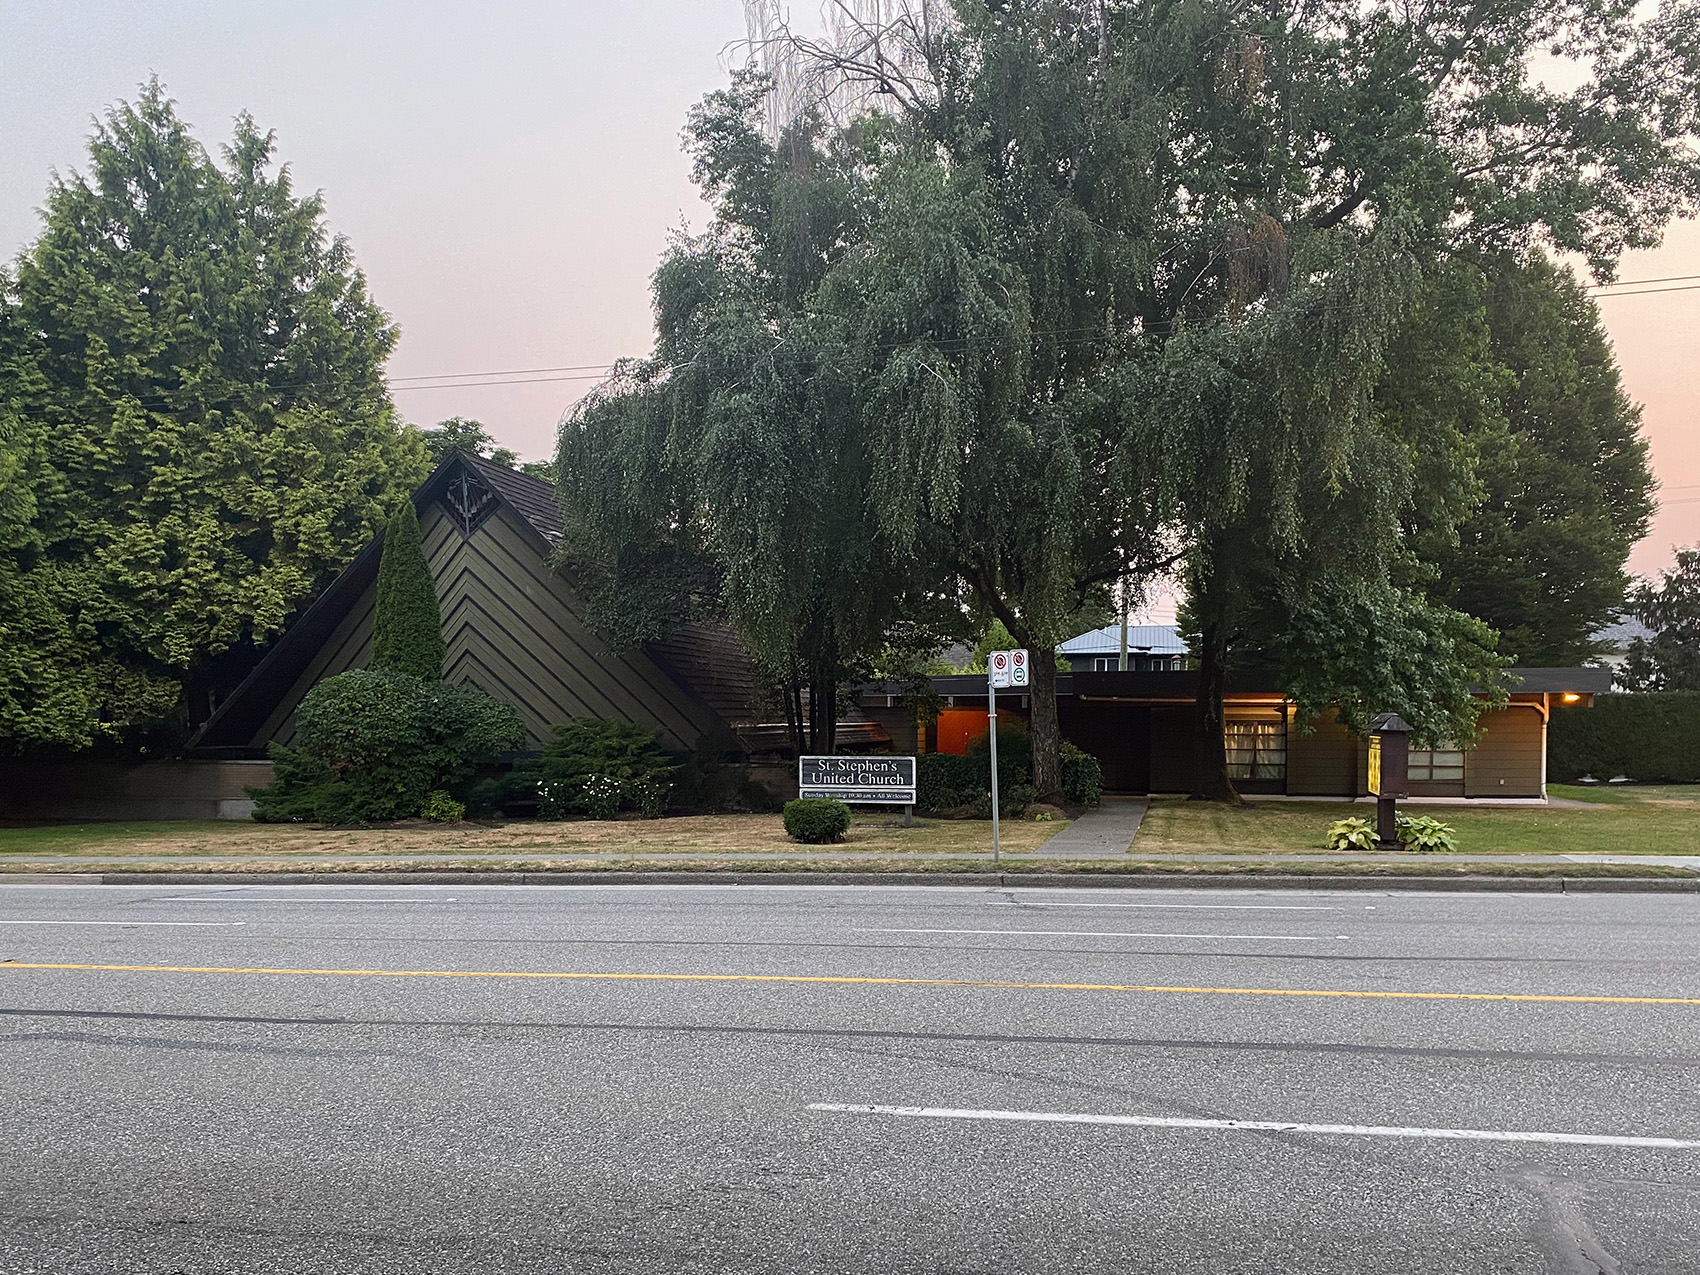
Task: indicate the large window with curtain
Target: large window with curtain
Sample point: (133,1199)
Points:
(1257,750)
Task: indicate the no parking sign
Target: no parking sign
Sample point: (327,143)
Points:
(1007,668)
(1004,669)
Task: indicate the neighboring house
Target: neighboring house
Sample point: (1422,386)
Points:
(1151,648)
(1615,639)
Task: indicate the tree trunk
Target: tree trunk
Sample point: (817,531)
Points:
(1042,722)
(1213,782)
(823,715)
(794,716)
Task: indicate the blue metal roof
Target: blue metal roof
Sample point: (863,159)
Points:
(1145,639)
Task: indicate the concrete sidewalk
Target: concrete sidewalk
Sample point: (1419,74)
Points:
(1106,830)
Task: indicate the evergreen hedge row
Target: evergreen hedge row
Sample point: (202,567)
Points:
(945,781)
(1654,738)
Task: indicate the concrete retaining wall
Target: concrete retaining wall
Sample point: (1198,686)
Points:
(130,790)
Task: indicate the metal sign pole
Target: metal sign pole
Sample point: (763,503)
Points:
(992,714)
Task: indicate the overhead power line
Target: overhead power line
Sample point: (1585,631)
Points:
(507,371)
(1630,283)
(1646,292)
(513,380)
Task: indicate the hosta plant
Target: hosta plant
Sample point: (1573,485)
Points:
(1351,834)
(1425,833)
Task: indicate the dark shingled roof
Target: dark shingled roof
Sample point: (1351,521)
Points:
(709,659)
(531,498)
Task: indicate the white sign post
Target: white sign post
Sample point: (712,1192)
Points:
(1004,669)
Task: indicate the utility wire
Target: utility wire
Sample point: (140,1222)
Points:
(1645,292)
(531,380)
(1082,335)
(1630,283)
(511,371)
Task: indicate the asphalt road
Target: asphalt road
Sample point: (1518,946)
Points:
(360,1079)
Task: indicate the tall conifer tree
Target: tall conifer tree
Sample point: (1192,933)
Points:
(199,435)
(407,633)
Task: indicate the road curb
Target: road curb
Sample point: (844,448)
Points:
(1005,880)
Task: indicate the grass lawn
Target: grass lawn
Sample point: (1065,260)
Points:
(694,835)
(1662,820)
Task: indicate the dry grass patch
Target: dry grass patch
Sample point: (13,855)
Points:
(696,835)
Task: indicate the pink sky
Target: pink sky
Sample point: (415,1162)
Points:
(508,174)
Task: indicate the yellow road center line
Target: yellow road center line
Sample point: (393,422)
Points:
(585,976)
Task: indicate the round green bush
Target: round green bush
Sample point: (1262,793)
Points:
(372,745)
(816,821)
(440,807)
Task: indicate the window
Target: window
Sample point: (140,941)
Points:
(1139,663)
(1256,750)
(1444,764)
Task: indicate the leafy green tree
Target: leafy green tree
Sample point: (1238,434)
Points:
(461,433)
(1089,217)
(1670,659)
(1566,487)
(207,435)
(407,630)
(1242,238)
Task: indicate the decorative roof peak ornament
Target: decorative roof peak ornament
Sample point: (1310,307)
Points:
(468,500)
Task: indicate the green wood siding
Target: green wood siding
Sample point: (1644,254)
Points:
(1323,763)
(515,630)
(1506,761)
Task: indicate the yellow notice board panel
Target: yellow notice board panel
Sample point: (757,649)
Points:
(1375,765)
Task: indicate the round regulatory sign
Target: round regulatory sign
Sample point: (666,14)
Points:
(1000,660)
(1020,657)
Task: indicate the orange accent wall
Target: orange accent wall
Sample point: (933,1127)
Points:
(960,727)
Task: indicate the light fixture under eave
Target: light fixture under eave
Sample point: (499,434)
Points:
(1571,697)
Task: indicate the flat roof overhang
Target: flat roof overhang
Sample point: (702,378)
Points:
(1525,685)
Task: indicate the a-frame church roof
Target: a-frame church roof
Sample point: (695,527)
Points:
(512,624)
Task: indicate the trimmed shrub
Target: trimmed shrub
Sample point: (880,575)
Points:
(407,629)
(1653,737)
(944,781)
(594,768)
(442,808)
(1082,775)
(373,745)
(816,821)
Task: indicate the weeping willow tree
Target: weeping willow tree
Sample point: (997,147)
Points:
(1131,270)
(727,473)
(1045,298)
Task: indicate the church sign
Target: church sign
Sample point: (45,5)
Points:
(887,780)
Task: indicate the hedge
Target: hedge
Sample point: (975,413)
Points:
(376,745)
(944,781)
(1652,737)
